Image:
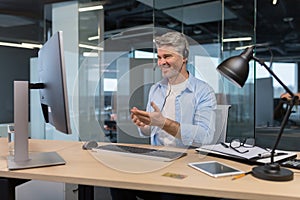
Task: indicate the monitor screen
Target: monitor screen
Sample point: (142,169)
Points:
(52,74)
(54,101)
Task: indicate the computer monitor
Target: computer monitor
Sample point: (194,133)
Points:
(52,74)
(54,100)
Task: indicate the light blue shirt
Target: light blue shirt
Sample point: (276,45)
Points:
(194,110)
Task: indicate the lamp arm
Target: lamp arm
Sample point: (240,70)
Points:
(289,111)
(283,124)
(274,75)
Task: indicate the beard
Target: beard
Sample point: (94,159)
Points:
(169,72)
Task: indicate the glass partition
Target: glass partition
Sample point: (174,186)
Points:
(234,39)
(110,71)
(116,59)
(113,45)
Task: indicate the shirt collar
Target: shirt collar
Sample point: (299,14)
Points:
(164,83)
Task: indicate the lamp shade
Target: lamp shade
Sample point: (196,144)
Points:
(236,68)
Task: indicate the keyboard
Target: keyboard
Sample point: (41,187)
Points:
(141,152)
(293,163)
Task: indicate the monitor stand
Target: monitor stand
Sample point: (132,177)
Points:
(21,158)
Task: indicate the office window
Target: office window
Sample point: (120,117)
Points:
(144,54)
(110,84)
(287,73)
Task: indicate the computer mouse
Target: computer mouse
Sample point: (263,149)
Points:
(88,145)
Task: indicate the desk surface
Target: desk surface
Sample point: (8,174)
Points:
(84,168)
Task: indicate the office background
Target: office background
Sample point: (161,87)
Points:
(273,25)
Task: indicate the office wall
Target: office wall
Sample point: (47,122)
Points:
(14,65)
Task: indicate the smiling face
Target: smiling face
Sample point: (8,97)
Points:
(171,64)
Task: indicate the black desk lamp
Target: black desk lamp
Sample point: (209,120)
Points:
(236,69)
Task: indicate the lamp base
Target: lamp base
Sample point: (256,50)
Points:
(272,172)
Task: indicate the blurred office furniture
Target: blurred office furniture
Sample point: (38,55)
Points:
(111,127)
(264,108)
(221,123)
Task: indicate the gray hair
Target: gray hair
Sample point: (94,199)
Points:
(176,40)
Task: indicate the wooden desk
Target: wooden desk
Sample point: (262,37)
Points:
(83,168)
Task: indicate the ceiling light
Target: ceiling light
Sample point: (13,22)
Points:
(90,47)
(242,47)
(90,54)
(31,45)
(172,24)
(197,32)
(22,45)
(265,44)
(237,39)
(274,2)
(93,38)
(288,19)
(90,8)
(121,36)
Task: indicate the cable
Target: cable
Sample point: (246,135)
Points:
(165,100)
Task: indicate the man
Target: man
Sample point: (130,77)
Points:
(180,110)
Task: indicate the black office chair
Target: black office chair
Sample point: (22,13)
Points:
(111,126)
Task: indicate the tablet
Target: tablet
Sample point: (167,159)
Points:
(215,168)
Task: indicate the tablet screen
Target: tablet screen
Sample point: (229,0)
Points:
(215,169)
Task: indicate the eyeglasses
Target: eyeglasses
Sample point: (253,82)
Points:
(246,143)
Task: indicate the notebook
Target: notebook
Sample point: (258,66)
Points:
(255,155)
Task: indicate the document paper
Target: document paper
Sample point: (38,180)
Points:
(256,154)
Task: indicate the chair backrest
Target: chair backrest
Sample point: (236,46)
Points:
(221,123)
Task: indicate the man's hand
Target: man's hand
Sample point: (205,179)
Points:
(145,119)
(142,118)
(285,96)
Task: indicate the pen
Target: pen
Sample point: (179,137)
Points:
(268,154)
(241,175)
(224,145)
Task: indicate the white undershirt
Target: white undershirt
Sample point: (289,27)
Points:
(169,109)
